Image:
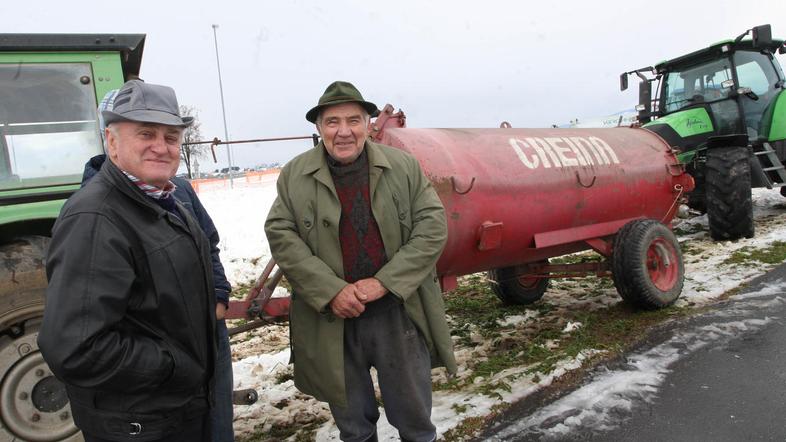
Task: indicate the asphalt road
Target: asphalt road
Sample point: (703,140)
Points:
(717,377)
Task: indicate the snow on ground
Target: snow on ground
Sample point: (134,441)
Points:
(239,214)
(261,355)
(610,396)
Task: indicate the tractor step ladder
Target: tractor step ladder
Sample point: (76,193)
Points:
(776,169)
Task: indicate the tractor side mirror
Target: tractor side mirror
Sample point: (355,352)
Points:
(762,36)
(623,82)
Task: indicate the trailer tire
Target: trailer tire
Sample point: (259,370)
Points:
(647,266)
(728,190)
(516,290)
(33,403)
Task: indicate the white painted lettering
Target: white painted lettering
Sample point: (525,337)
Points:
(580,144)
(556,144)
(577,152)
(542,148)
(536,152)
(531,163)
(599,154)
(604,146)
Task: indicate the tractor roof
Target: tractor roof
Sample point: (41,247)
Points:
(714,50)
(129,45)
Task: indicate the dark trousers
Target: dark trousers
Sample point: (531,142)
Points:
(192,430)
(221,413)
(389,342)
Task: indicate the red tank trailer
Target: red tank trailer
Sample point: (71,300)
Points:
(516,197)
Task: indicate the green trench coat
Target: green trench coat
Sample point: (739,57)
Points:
(302,229)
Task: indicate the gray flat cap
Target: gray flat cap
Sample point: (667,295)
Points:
(146,103)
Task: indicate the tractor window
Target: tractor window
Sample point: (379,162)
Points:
(754,70)
(48,126)
(696,84)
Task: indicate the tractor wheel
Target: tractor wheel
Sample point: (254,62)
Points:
(33,403)
(647,265)
(728,186)
(697,199)
(513,289)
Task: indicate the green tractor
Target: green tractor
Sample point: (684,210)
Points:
(724,109)
(50,85)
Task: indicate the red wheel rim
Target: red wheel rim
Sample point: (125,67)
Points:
(528,282)
(663,264)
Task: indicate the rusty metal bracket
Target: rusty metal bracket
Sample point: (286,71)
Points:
(455,187)
(680,169)
(586,186)
(679,190)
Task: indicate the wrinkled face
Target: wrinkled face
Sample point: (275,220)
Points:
(150,152)
(344,129)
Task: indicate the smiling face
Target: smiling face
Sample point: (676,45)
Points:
(150,152)
(344,129)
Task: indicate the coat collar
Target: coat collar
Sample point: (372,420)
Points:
(316,164)
(116,176)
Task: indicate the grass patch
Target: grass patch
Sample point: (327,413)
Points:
(775,253)
(540,344)
(302,432)
(465,429)
(285,375)
(474,304)
(689,248)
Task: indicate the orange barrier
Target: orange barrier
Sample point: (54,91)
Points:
(248,179)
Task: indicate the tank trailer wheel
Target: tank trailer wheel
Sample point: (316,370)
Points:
(33,403)
(511,288)
(728,188)
(647,266)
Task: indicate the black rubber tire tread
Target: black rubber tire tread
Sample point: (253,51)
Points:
(22,279)
(506,286)
(617,261)
(728,190)
(629,265)
(697,199)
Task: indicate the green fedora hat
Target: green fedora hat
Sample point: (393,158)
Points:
(341,92)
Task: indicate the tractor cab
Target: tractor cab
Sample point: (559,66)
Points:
(724,109)
(723,90)
(49,89)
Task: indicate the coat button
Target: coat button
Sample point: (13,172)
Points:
(402,216)
(331,318)
(307,224)
(325,223)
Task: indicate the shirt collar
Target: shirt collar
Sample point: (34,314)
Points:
(151,190)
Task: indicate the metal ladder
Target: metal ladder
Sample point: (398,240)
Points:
(776,169)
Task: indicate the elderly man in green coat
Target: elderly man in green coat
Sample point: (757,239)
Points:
(357,229)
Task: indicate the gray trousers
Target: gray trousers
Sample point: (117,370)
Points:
(389,342)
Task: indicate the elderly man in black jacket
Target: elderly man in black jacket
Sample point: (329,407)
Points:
(130,319)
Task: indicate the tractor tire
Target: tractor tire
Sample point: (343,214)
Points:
(728,187)
(647,266)
(516,290)
(33,403)
(697,198)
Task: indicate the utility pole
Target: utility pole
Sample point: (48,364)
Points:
(223,111)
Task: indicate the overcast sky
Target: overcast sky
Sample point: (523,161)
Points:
(446,63)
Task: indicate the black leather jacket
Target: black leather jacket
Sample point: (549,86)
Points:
(186,195)
(129,324)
